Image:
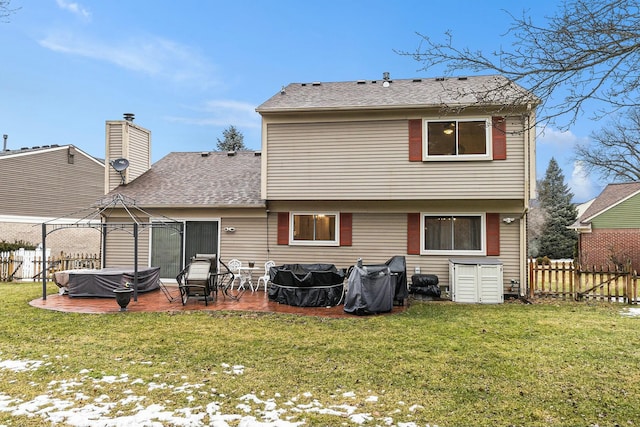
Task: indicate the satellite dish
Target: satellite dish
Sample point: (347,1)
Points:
(120,165)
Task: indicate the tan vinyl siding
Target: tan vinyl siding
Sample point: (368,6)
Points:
(368,160)
(119,251)
(379,236)
(510,252)
(129,141)
(247,243)
(114,150)
(45,184)
(138,151)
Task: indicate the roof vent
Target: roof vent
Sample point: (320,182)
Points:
(387,80)
(129,117)
(282,91)
(360,82)
(257,153)
(35,147)
(462,78)
(231,153)
(439,79)
(315,84)
(417,80)
(204,154)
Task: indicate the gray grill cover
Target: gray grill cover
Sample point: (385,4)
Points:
(370,290)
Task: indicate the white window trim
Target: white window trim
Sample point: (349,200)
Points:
(335,242)
(458,157)
(483,234)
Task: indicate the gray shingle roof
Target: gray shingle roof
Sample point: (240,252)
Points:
(194,180)
(610,196)
(406,93)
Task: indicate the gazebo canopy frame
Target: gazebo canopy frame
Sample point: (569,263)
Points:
(97,218)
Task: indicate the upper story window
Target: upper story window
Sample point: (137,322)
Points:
(460,139)
(320,229)
(453,234)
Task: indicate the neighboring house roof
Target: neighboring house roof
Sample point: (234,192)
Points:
(26,151)
(390,94)
(211,179)
(611,196)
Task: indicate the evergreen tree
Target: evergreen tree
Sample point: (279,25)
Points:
(556,240)
(233,140)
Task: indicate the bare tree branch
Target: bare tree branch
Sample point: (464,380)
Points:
(588,51)
(615,150)
(6,11)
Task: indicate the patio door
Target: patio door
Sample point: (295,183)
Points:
(171,253)
(200,237)
(166,250)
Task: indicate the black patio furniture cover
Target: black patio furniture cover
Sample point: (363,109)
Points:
(306,285)
(398,267)
(370,290)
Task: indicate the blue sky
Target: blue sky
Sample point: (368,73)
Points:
(190,69)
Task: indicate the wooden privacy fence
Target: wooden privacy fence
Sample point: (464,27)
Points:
(567,280)
(27,265)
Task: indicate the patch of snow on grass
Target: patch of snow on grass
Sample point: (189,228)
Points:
(20,365)
(631,312)
(128,409)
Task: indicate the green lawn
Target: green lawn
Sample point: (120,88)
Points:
(441,364)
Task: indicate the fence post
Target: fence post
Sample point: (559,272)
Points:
(532,280)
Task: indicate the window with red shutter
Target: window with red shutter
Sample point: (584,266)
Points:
(315,229)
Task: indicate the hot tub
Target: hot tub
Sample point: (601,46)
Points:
(306,285)
(101,283)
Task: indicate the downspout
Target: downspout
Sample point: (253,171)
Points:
(524,267)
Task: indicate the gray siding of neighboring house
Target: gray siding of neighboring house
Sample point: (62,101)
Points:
(46,184)
(368,160)
(126,140)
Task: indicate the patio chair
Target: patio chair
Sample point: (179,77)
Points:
(194,281)
(265,279)
(235,265)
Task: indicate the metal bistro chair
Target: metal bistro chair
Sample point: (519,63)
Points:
(235,265)
(223,281)
(194,281)
(265,279)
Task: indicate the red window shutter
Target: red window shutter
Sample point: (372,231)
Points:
(493,234)
(499,138)
(346,224)
(283,228)
(413,234)
(415,140)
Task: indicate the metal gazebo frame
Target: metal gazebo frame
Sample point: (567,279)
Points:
(97,219)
